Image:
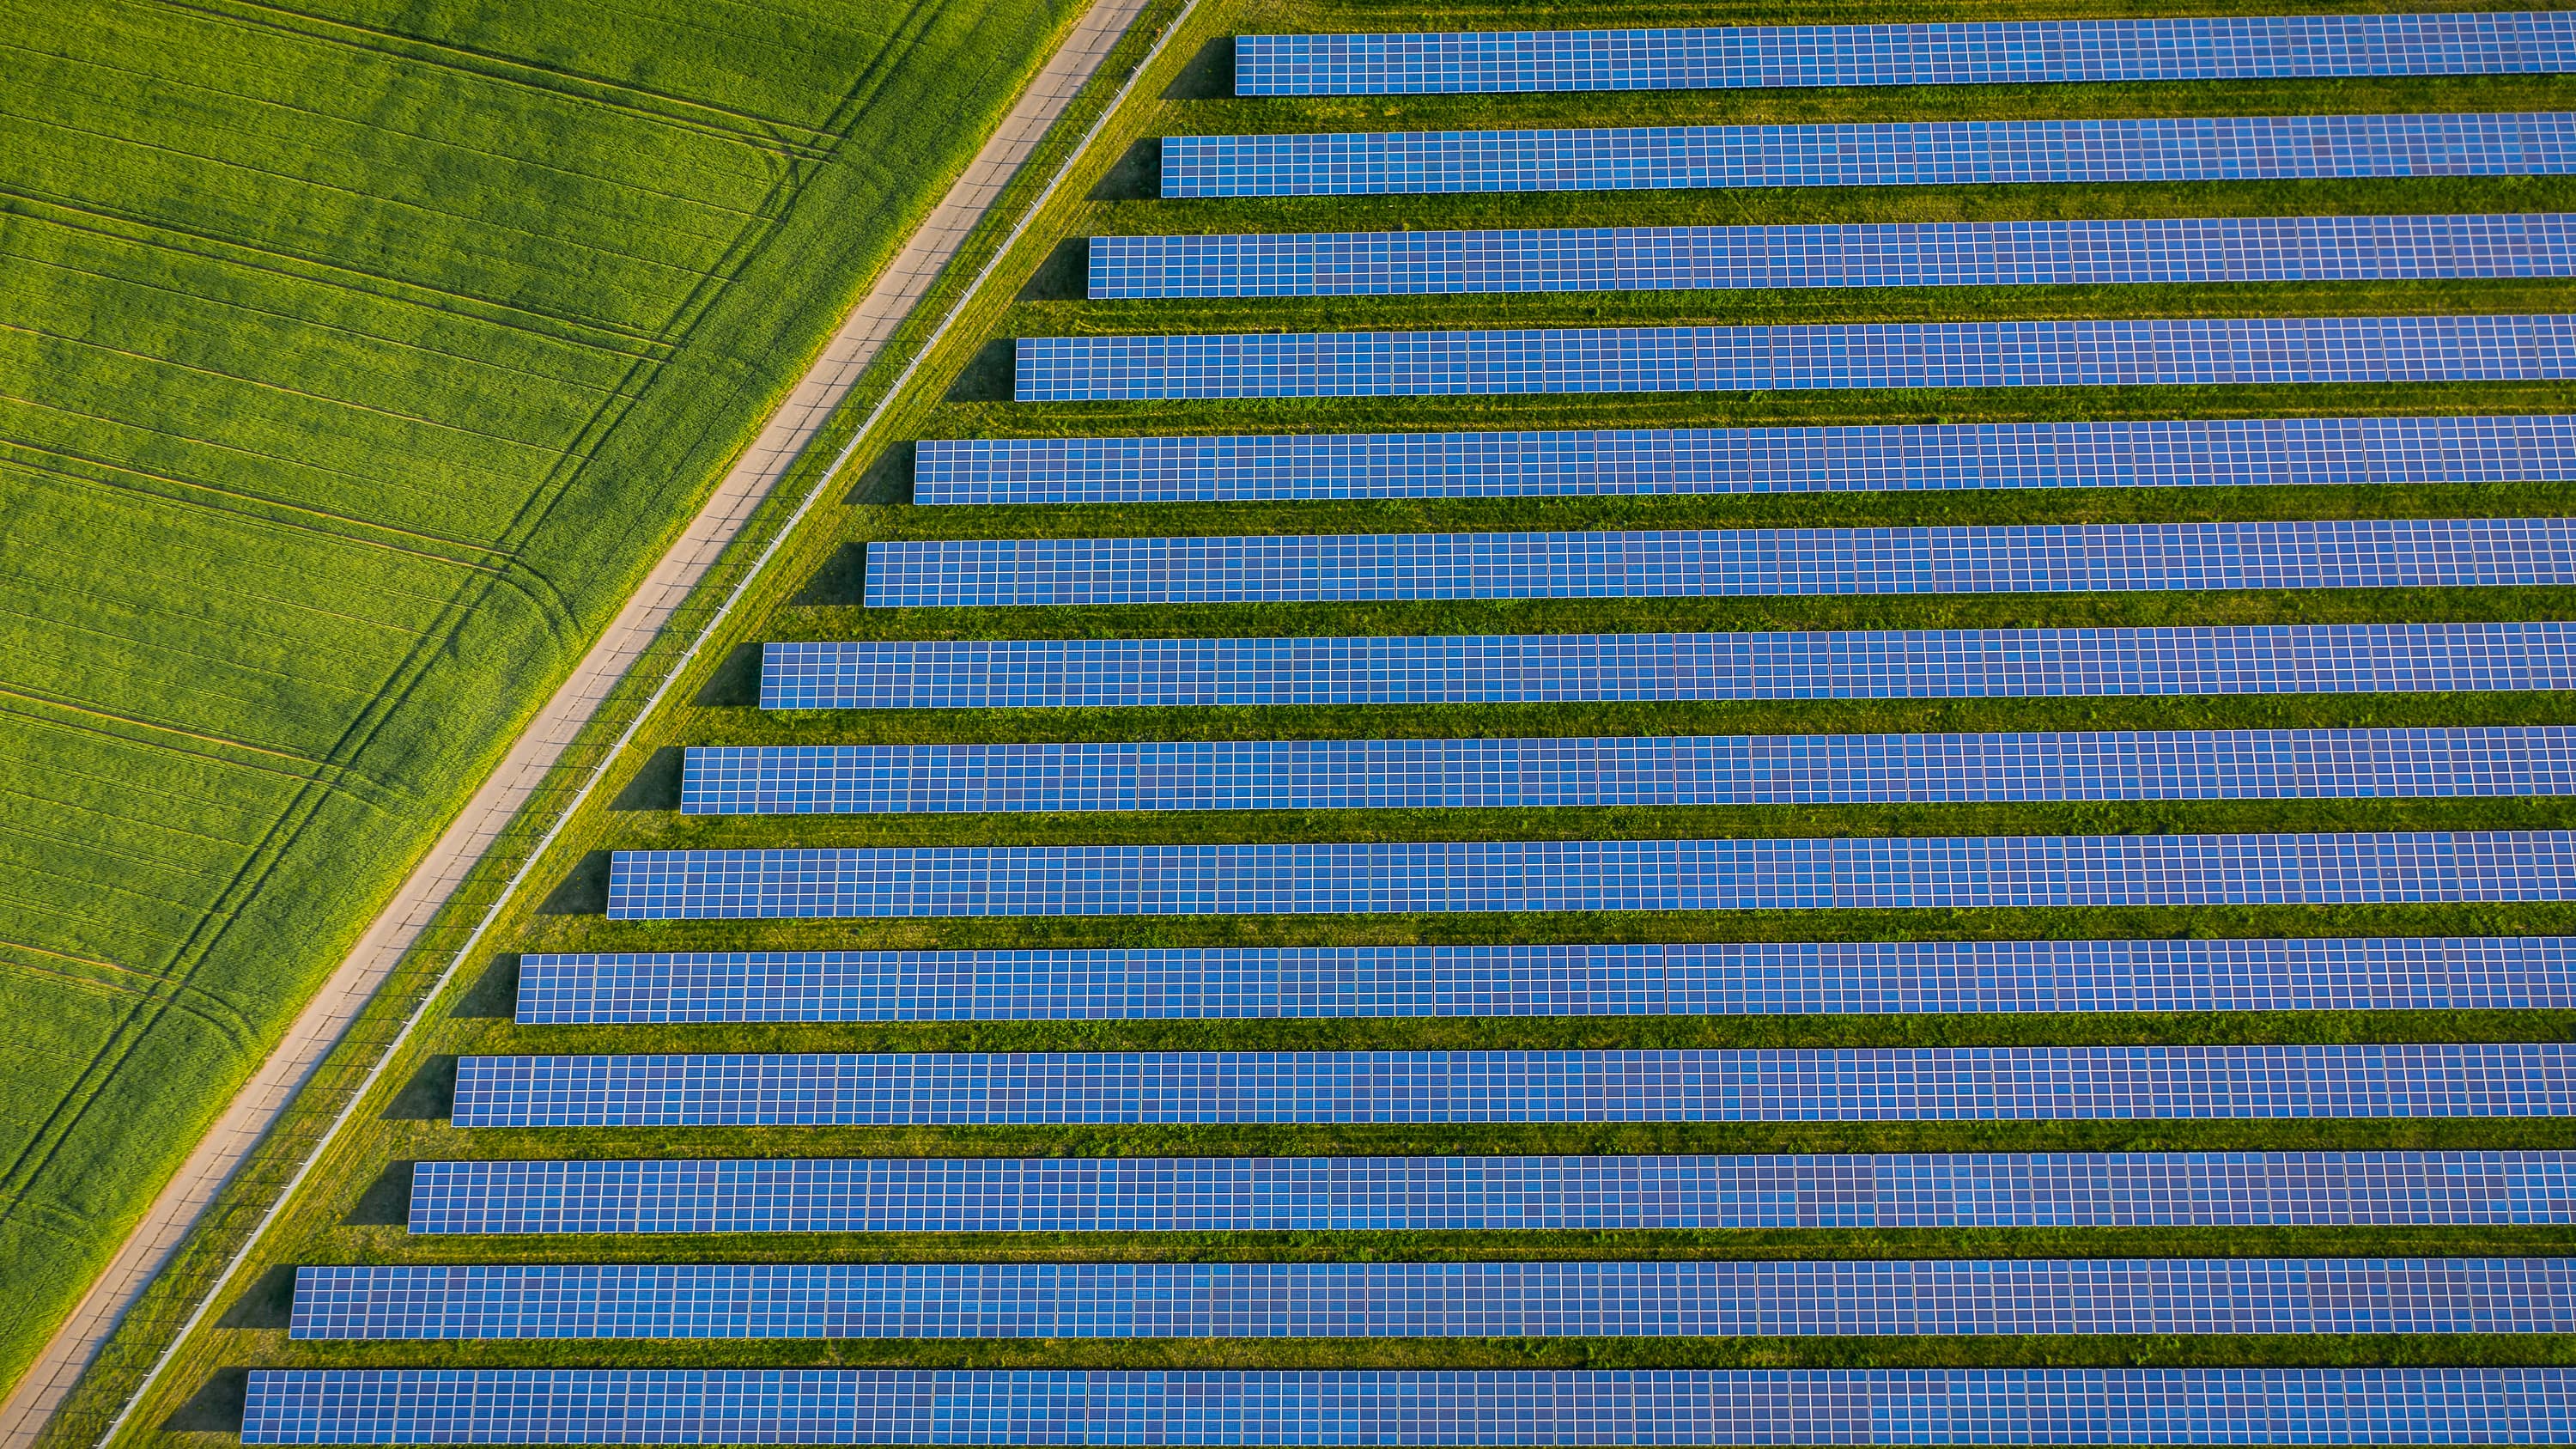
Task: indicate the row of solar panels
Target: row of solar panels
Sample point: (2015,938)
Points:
(1971,53)
(1417,774)
(2270,452)
(1717,563)
(1780,873)
(1917,153)
(2165,352)
(1434,1300)
(1478,1194)
(1661,1406)
(1768,978)
(1531,668)
(1901,254)
(1922,1084)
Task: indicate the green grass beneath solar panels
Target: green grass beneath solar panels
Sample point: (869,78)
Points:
(352,1210)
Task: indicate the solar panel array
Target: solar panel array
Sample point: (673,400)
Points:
(1971,53)
(1643,1406)
(1703,770)
(1982,1084)
(2226,453)
(1760,978)
(1708,563)
(1436,1300)
(1474,1194)
(1530,668)
(2185,352)
(1334,1090)
(1903,254)
(1920,153)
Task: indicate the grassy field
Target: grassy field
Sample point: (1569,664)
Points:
(357,359)
(352,1210)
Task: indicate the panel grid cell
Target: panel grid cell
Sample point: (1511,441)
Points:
(1719,563)
(1935,1084)
(1919,153)
(1901,254)
(1572,1407)
(1492,1194)
(2269,452)
(2162,352)
(1547,668)
(1703,770)
(1434,1300)
(2013,52)
(1851,873)
(1735,979)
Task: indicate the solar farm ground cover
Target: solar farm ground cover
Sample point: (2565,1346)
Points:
(360,357)
(353,1210)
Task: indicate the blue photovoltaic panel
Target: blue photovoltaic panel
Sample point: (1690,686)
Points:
(1907,873)
(1408,1406)
(1971,53)
(1899,254)
(2261,452)
(1436,1300)
(1426,1194)
(1755,978)
(1534,668)
(1709,563)
(1704,770)
(1918,153)
(1983,1084)
(2186,352)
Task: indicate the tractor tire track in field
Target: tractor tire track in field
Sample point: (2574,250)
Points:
(270,1090)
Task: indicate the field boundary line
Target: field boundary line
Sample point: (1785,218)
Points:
(533,756)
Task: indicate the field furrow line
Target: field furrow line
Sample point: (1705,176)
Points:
(377,284)
(786,138)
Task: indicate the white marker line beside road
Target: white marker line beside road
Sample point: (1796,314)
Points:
(266,1096)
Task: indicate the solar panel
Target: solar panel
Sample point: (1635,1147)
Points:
(1434,1300)
(1762,978)
(1529,668)
(2005,52)
(1628,1406)
(1705,563)
(1908,873)
(1900,254)
(1919,153)
(1986,1084)
(1427,1194)
(2225,453)
(1703,770)
(2183,352)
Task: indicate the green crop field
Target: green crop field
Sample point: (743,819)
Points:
(352,1209)
(356,358)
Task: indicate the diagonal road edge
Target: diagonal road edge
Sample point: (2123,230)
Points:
(533,756)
